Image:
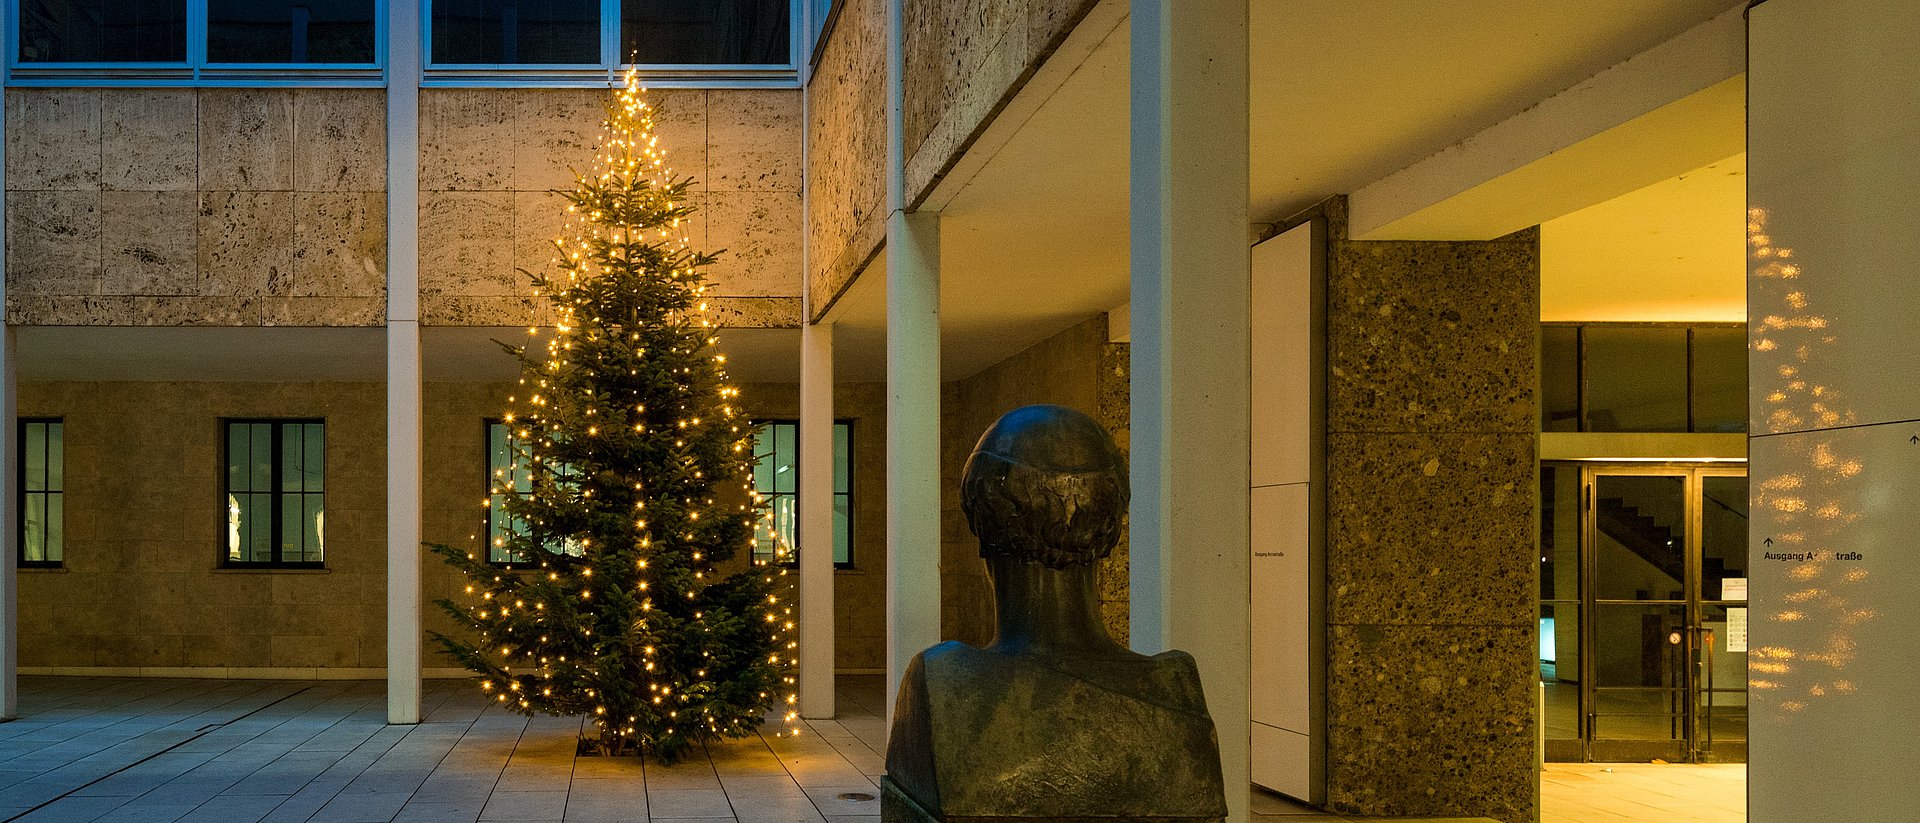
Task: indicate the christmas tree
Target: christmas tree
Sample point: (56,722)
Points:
(624,606)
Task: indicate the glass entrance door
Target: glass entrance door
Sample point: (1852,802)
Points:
(1656,594)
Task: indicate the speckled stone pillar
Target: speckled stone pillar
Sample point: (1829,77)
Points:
(1431,497)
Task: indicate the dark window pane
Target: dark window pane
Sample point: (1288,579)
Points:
(289,31)
(1559,532)
(1639,529)
(1560,378)
(516,31)
(103,31)
(706,32)
(1636,379)
(1720,379)
(1560,668)
(1723,537)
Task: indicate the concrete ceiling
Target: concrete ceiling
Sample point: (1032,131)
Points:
(1674,251)
(1034,238)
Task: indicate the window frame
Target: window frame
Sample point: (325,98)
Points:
(1583,374)
(225,548)
(195,70)
(850,424)
(487,492)
(21,493)
(611,67)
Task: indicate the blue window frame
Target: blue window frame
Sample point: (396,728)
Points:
(776,479)
(706,43)
(42,487)
(195,42)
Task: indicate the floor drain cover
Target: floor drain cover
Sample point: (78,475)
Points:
(856,796)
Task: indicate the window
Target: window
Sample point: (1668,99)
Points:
(275,492)
(776,478)
(749,40)
(42,492)
(508,475)
(183,41)
(1643,377)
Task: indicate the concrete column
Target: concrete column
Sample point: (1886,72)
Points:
(9,455)
(9,505)
(1190,268)
(816,521)
(913,394)
(404,474)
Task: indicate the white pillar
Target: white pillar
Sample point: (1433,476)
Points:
(816,521)
(1190,260)
(9,505)
(404,476)
(1834,275)
(913,394)
(9,457)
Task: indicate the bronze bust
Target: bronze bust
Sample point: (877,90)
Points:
(1053,720)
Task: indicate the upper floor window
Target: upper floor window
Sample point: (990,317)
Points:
(776,479)
(1643,377)
(42,492)
(748,39)
(157,41)
(275,492)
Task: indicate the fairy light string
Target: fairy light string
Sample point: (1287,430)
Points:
(634,599)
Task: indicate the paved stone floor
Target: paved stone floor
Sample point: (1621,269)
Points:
(212,751)
(1654,793)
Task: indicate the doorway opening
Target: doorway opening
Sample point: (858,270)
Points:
(1643,611)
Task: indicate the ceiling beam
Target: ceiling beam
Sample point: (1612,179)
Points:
(1666,111)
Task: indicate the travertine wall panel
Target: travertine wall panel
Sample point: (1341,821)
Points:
(1431,561)
(149,242)
(246,140)
(964,61)
(53,140)
(196,206)
(846,151)
(144,524)
(1065,369)
(147,135)
(492,160)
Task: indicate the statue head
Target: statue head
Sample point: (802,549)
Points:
(1045,485)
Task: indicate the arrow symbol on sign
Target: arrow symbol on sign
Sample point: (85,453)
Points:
(1767,542)
(1914,440)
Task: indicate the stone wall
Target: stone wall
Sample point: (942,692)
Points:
(142,587)
(1431,504)
(243,207)
(204,207)
(964,61)
(846,151)
(491,160)
(1075,368)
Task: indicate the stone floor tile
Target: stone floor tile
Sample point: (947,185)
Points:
(853,800)
(518,805)
(683,803)
(417,811)
(73,809)
(361,808)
